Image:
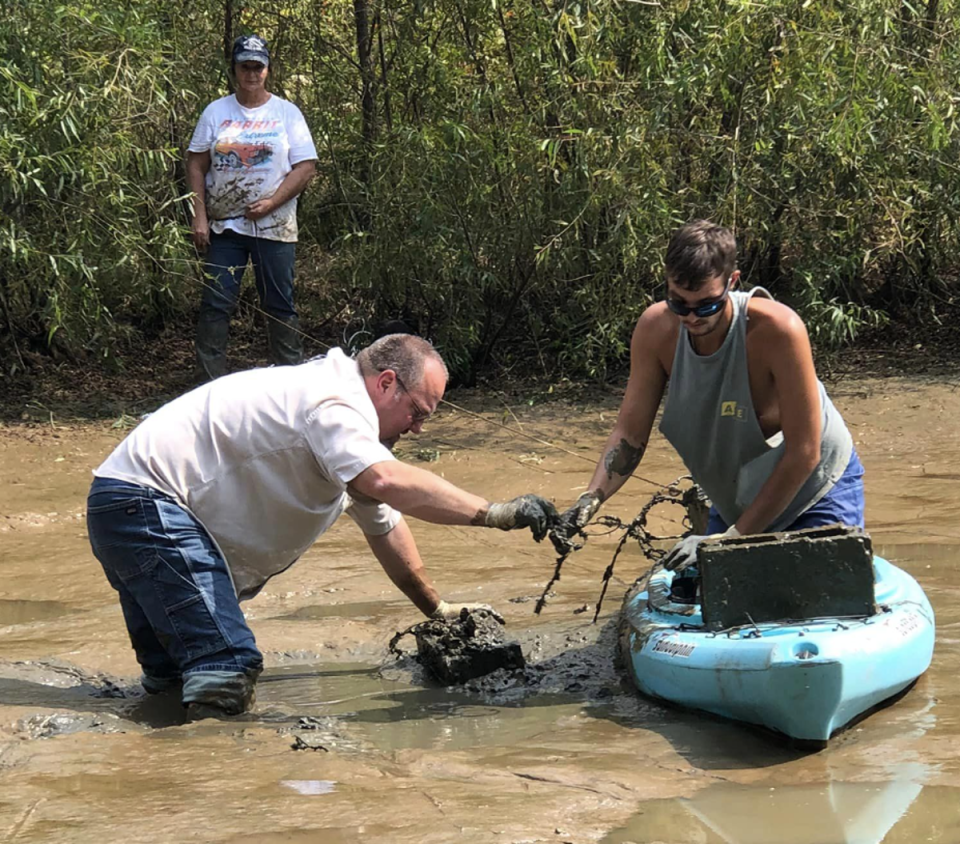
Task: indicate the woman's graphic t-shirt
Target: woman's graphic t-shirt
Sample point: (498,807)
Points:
(251,152)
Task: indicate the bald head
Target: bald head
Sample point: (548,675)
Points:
(405,354)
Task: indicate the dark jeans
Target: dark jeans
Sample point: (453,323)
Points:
(227,258)
(176,593)
(843,503)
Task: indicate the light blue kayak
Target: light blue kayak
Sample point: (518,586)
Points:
(803,679)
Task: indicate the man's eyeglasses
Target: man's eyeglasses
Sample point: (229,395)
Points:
(702,311)
(419,414)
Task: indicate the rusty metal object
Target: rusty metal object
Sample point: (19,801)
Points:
(692,499)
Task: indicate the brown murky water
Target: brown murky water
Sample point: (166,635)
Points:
(572,755)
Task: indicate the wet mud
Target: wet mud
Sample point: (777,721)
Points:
(348,743)
(454,652)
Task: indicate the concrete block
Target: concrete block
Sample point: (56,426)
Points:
(824,572)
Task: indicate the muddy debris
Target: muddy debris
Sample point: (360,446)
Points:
(524,599)
(45,726)
(60,674)
(455,652)
(308,743)
(318,733)
(580,663)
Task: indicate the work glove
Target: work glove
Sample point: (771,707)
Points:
(573,520)
(580,513)
(684,553)
(530,511)
(451,612)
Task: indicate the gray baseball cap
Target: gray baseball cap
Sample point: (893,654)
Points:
(251,48)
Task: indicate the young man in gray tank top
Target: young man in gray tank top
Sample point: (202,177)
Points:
(745,410)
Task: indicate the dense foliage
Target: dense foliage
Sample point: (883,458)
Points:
(502,175)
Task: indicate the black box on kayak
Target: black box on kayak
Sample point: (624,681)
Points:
(824,572)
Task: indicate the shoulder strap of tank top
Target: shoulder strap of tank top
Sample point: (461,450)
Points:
(754,291)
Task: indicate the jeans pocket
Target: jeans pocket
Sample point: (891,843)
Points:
(119,534)
(189,613)
(188,608)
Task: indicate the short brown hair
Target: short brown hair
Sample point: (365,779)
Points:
(699,251)
(405,354)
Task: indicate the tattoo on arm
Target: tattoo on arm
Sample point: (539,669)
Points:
(622,459)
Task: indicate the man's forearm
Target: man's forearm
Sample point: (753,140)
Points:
(619,459)
(397,553)
(775,495)
(417,492)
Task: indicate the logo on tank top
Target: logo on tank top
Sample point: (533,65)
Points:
(729,408)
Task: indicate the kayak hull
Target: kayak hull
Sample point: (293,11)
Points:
(804,679)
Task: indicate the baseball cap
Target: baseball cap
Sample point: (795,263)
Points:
(251,48)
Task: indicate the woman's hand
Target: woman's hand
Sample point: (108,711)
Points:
(292,185)
(260,208)
(201,232)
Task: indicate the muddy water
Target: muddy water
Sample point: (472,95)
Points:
(564,753)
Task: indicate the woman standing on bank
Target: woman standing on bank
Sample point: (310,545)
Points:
(251,155)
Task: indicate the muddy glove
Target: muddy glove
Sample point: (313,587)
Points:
(573,520)
(451,612)
(684,553)
(530,511)
(580,513)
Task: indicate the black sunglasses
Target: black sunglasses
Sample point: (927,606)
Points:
(708,309)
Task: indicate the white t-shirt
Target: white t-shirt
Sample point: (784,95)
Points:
(263,458)
(251,152)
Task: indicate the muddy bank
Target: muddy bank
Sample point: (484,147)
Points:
(349,744)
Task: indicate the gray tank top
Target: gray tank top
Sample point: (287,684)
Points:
(710,420)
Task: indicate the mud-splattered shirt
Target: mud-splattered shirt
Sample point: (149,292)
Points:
(251,152)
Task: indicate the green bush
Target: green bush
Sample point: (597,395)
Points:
(502,175)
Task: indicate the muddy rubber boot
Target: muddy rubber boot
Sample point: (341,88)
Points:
(202,711)
(199,710)
(219,694)
(211,346)
(283,338)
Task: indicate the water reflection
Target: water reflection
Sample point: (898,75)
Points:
(894,812)
(310,787)
(392,715)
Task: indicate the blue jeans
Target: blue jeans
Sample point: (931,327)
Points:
(843,503)
(227,258)
(177,597)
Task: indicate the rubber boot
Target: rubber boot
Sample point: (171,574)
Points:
(219,694)
(283,338)
(211,346)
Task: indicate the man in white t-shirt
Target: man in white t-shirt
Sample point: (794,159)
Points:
(228,485)
(250,156)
